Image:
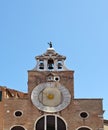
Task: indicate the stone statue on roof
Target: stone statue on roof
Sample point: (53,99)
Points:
(50,44)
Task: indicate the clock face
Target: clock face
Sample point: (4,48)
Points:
(50,97)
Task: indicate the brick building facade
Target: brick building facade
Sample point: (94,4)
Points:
(49,103)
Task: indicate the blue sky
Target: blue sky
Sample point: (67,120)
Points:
(78,29)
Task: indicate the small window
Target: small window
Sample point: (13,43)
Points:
(83,128)
(83,115)
(57,78)
(50,78)
(17,128)
(18,113)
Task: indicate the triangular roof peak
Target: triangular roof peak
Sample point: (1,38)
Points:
(50,53)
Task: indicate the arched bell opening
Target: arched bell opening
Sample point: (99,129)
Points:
(60,64)
(41,64)
(50,64)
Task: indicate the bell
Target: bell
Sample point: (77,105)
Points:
(50,66)
(59,66)
(41,66)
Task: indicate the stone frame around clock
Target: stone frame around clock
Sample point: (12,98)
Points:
(66,97)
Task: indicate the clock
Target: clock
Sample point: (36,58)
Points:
(50,97)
